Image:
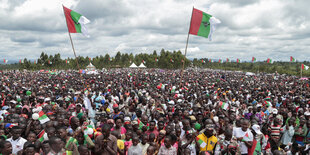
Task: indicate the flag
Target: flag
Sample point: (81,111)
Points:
(171,60)
(43,118)
(220,60)
(304,67)
(140,123)
(67,61)
(292,59)
(75,22)
(89,59)
(227,60)
(42,135)
(203,24)
(201,143)
(267,103)
(210,60)
(21,61)
(5,60)
(255,149)
(269,60)
(156,60)
(142,61)
(238,60)
(253,59)
(35,62)
(224,105)
(203,61)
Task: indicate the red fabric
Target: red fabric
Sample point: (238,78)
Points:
(195,21)
(70,22)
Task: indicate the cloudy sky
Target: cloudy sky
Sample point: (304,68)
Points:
(275,29)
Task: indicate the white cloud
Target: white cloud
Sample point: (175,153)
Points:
(262,28)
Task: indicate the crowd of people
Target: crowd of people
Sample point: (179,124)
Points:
(153,112)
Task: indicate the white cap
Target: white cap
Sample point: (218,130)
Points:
(256,128)
(274,111)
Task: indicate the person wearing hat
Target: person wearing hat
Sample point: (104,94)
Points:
(259,140)
(228,145)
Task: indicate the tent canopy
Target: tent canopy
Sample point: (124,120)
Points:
(133,65)
(142,66)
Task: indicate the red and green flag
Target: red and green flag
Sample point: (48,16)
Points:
(253,59)
(41,135)
(238,60)
(227,60)
(292,59)
(201,143)
(171,60)
(223,105)
(304,67)
(203,61)
(220,60)
(256,148)
(210,60)
(202,24)
(156,60)
(269,60)
(43,117)
(5,60)
(76,22)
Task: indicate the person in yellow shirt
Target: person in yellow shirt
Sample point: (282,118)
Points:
(120,143)
(207,141)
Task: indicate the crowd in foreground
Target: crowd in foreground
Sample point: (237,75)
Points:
(153,112)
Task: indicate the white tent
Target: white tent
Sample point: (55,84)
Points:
(90,67)
(142,66)
(133,65)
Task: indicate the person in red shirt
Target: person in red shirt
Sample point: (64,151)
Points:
(152,129)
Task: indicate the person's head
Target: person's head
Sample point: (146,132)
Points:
(245,125)
(51,132)
(144,138)
(83,150)
(151,150)
(152,125)
(62,132)
(167,141)
(74,122)
(128,135)
(186,124)
(152,137)
(5,147)
(106,130)
(160,125)
(55,144)
(118,122)
(135,140)
(29,149)
(31,137)
(46,147)
(209,128)
(16,132)
(228,134)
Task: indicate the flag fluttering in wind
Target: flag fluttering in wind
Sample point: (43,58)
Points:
(5,60)
(210,60)
(227,60)
(203,61)
(76,22)
(253,59)
(156,60)
(269,60)
(304,67)
(220,60)
(21,61)
(171,60)
(203,24)
(292,59)
(238,60)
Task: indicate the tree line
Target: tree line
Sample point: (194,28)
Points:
(165,60)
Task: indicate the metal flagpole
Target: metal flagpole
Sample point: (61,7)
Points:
(182,71)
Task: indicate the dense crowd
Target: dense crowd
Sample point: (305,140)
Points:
(152,111)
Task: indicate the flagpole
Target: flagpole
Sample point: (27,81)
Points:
(182,71)
(301,71)
(76,60)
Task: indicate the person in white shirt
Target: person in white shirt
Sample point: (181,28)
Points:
(244,136)
(17,141)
